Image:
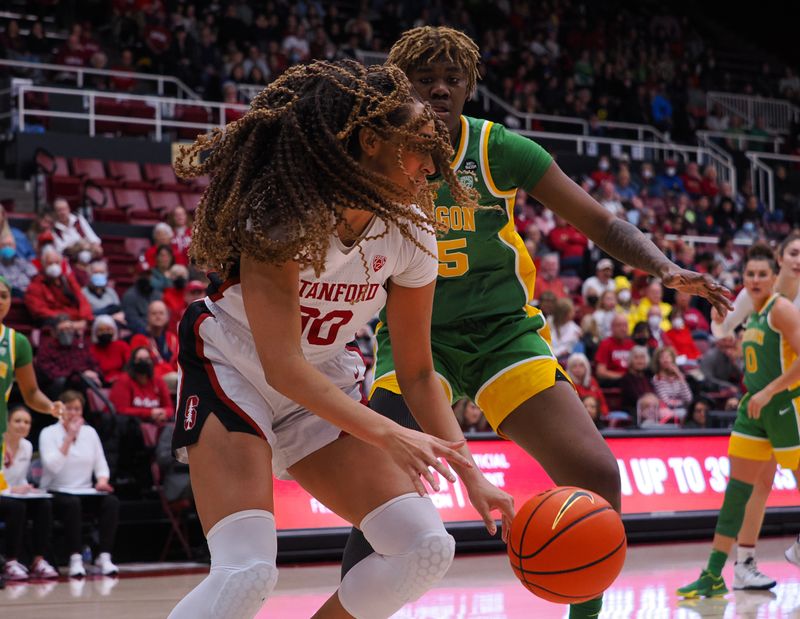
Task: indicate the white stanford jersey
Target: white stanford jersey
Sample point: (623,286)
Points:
(343,299)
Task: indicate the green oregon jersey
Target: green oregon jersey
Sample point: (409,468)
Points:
(484,267)
(766,354)
(15,352)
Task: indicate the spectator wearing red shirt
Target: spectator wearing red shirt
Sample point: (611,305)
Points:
(547,278)
(569,243)
(72,53)
(710,188)
(692,181)
(53,292)
(63,360)
(611,359)
(161,342)
(603,172)
(110,352)
(680,338)
(181,224)
(138,393)
(580,371)
(692,317)
(162,235)
(122,83)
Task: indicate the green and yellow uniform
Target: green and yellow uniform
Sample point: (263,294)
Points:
(488,344)
(15,352)
(767,356)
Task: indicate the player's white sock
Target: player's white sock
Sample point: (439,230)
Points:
(243,548)
(745,552)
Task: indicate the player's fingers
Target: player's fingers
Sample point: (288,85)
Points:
(444,470)
(433,480)
(491,526)
(418,485)
(452,455)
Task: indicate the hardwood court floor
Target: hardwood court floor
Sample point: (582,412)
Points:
(477,587)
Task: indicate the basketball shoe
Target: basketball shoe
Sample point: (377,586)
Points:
(746,575)
(792,553)
(707,586)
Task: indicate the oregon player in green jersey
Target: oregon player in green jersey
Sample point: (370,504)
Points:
(487,343)
(768,416)
(16,361)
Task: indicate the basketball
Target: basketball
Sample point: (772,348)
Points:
(567,545)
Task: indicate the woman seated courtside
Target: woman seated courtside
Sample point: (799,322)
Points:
(71,456)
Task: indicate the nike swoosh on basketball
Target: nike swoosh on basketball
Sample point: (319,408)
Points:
(783,411)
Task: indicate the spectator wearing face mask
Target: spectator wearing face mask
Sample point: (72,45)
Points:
(16,270)
(670,181)
(653,296)
(21,241)
(63,361)
(110,352)
(651,187)
(137,299)
(161,342)
(680,338)
(603,172)
(174,295)
(73,235)
(103,299)
(53,292)
(137,392)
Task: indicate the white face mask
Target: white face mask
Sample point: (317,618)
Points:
(53,270)
(654,322)
(623,296)
(84,256)
(603,165)
(678,323)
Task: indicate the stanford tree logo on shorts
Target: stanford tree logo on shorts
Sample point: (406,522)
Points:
(190,413)
(378,262)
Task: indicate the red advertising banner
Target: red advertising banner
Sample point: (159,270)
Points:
(659,474)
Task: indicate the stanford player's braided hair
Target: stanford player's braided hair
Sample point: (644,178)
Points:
(425,44)
(282,175)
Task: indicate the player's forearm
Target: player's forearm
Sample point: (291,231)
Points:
(626,243)
(302,383)
(427,401)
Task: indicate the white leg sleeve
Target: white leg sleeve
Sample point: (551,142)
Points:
(243,548)
(412,553)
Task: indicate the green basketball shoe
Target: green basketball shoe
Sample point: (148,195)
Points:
(707,586)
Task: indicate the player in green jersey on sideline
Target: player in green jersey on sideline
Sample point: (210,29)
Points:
(488,343)
(16,361)
(767,420)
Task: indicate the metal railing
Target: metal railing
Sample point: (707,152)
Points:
(741,140)
(80,74)
(165,110)
(721,154)
(763,176)
(778,114)
(643,151)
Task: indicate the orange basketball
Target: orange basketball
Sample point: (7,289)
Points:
(567,545)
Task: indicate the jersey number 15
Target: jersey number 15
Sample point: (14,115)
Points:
(452,262)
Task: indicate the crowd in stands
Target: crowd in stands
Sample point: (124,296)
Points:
(591,61)
(101,353)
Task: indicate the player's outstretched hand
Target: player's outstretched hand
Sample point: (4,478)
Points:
(485,498)
(701,285)
(417,453)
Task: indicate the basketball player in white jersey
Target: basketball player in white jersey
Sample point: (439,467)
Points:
(307,221)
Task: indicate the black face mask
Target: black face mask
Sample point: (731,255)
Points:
(143,367)
(144,286)
(591,300)
(641,341)
(104,339)
(179,283)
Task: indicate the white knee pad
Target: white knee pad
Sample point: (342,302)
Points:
(413,551)
(243,549)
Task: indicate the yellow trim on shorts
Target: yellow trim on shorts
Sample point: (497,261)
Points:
(3,482)
(389,382)
(508,389)
(750,447)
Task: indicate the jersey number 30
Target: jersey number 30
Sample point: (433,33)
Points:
(323,329)
(452,262)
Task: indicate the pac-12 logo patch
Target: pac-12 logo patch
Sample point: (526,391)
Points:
(378,262)
(190,412)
